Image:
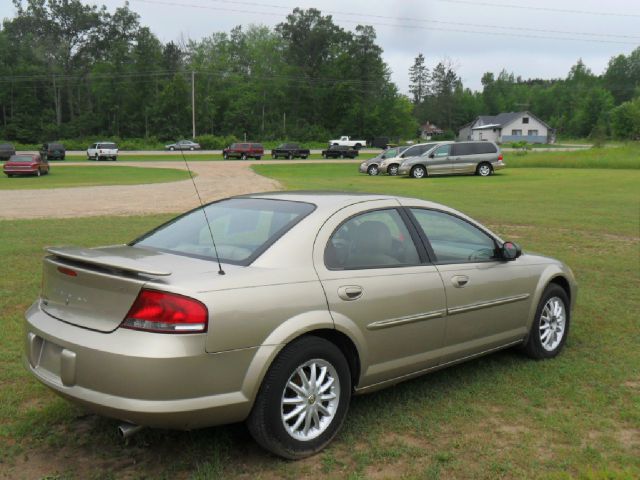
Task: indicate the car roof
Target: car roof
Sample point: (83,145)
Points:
(335,200)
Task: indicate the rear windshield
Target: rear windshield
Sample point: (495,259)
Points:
(21,158)
(55,146)
(242,228)
(111,146)
(256,145)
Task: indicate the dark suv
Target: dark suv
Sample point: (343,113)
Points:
(6,151)
(243,151)
(52,151)
(340,151)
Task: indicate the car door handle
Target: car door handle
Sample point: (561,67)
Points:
(350,292)
(460,281)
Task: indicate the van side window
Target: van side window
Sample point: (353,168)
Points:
(441,151)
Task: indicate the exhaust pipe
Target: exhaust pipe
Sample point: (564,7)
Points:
(126,430)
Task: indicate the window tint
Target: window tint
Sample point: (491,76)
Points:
(453,240)
(370,240)
(412,151)
(464,149)
(441,151)
(484,147)
(243,228)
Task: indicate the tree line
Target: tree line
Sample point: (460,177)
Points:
(73,70)
(581,105)
(77,71)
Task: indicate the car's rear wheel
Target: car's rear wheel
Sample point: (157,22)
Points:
(38,173)
(393,170)
(290,157)
(225,156)
(191,148)
(550,326)
(304,157)
(303,399)
(418,172)
(484,170)
(243,156)
(324,155)
(373,170)
(172,148)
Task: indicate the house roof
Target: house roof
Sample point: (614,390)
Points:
(500,120)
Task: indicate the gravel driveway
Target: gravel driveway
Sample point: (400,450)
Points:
(214,179)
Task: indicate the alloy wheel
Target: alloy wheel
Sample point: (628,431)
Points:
(552,323)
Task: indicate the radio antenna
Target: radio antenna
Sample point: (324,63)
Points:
(195,187)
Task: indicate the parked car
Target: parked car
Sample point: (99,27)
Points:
(53,151)
(323,296)
(183,145)
(103,151)
(339,151)
(480,158)
(6,151)
(243,151)
(26,164)
(290,151)
(371,165)
(391,164)
(349,142)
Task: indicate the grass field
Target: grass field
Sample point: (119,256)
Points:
(625,156)
(72,176)
(502,416)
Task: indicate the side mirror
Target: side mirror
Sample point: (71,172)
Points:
(431,155)
(383,157)
(510,251)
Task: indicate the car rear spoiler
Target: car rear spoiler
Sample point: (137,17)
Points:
(101,258)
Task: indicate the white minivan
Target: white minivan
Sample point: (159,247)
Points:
(102,151)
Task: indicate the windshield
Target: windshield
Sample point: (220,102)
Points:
(242,228)
(428,148)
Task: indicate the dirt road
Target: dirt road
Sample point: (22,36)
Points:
(214,180)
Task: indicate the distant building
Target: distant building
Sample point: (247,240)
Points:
(508,127)
(429,130)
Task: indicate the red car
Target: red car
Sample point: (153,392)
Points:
(244,151)
(26,164)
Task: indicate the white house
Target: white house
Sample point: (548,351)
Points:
(508,127)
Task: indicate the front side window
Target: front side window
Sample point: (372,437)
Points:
(376,239)
(454,240)
(441,151)
(242,229)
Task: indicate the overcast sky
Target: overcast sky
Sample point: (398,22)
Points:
(541,39)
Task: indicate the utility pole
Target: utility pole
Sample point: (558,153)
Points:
(193,104)
(284,124)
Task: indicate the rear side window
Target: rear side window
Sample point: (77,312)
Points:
(485,147)
(464,149)
(376,239)
(110,146)
(256,145)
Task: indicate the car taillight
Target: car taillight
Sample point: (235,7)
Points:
(500,157)
(164,312)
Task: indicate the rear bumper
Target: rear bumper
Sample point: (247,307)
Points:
(157,380)
(498,165)
(20,171)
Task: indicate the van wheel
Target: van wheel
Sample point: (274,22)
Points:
(393,170)
(484,170)
(373,170)
(418,172)
(303,399)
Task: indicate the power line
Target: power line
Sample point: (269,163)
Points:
(399,26)
(425,20)
(544,9)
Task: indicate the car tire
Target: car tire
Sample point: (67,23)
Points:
(274,156)
(373,170)
(243,157)
(172,148)
(290,157)
(392,170)
(550,326)
(225,156)
(191,148)
(324,155)
(38,173)
(304,157)
(418,172)
(267,421)
(484,169)
(358,146)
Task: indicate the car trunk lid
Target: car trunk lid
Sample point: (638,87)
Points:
(95,288)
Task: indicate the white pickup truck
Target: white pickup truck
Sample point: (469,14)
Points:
(346,141)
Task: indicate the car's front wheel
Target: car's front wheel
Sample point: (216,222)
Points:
(550,327)
(303,399)
(393,170)
(373,170)
(418,172)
